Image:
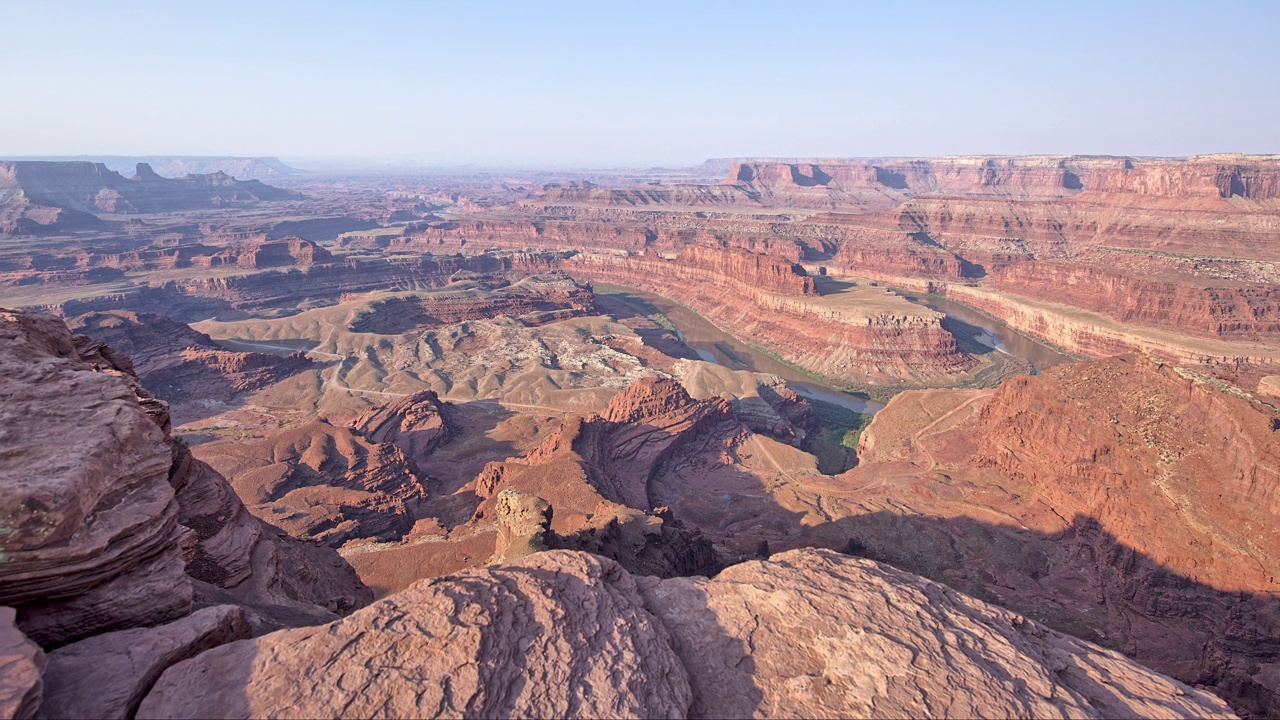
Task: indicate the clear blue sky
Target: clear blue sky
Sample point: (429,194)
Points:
(597,83)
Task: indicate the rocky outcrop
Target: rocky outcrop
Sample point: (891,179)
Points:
(79,560)
(642,427)
(107,517)
(562,634)
(524,522)
(22,665)
(816,634)
(556,635)
(417,424)
(323,482)
(594,472)
(106,676)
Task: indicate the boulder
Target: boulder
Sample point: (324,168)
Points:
(22,664)
(558,634)
(107,675)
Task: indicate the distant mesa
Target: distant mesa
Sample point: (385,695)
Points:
(38,197)
(877,184)
(174,166)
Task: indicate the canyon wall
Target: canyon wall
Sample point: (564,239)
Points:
(1081,334)
(1247,312)
(610,231)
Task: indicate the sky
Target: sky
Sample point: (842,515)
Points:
(597,84)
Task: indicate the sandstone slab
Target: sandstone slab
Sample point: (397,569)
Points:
(813,633)
(559,634)
(107,675)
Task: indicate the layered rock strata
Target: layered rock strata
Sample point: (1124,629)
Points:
(79,560)
(111,521)
(535,300)
(180,364)
(266,291)
(417,424)
(323,482)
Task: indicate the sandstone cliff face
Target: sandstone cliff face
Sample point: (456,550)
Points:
(1200,177)
(562,634)
(1097,336)
(110,528)
(1227,311)
(872,185)
(259,255)
(767,273)
(590,229)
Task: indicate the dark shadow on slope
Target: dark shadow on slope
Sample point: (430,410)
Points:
(1083,582)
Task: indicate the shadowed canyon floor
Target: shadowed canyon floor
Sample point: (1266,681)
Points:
(952,437)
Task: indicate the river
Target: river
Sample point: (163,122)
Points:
(996,335)
(714,345)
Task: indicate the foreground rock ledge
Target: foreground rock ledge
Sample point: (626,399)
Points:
(561,633)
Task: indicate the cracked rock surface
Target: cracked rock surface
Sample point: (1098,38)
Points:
(809,633)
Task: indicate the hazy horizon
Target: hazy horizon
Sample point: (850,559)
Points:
(575,85)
